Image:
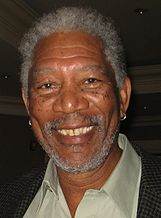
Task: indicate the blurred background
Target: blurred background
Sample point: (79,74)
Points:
(139,22)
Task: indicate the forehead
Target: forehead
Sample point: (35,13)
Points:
(69,39)
(68,49)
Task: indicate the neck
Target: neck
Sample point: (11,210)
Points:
(94,178)
(75,185)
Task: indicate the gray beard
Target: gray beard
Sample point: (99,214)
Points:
(98,158)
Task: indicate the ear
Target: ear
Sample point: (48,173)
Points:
(125,93)
(25,100)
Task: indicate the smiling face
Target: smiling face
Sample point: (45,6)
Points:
(73,101)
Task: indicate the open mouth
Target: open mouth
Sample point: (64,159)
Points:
(76,131)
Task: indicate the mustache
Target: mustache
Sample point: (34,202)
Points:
(91,120)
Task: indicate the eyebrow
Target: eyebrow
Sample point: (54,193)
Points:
(89,68)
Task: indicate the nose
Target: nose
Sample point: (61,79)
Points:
(70,102)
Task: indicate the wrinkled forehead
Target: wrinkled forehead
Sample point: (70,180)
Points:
(68,40)
(68,50)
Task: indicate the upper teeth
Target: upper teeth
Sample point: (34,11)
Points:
(75,132)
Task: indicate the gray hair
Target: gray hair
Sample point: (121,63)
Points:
(75,19)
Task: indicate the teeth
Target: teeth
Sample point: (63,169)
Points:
(64,132)
(84,130)
(71,133)
(75,132)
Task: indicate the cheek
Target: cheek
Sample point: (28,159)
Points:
(105,100)
(40,108)
(106,103)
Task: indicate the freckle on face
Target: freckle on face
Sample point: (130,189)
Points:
(107,95)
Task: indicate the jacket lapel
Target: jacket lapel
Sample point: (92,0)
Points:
(31,189)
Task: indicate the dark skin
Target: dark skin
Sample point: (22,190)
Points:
(70,75)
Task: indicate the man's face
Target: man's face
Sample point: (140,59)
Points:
(73,101)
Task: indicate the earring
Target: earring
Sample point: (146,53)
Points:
(123,117)
(30,124)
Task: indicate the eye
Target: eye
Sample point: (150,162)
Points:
(48,87)
(91,83)
(91,80)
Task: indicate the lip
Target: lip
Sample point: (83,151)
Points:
(76,139)
(75,131)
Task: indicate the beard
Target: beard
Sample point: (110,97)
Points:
(104,146)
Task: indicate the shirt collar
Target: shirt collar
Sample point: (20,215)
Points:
(122,184)
(50,181)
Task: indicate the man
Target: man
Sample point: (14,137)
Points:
(76,92)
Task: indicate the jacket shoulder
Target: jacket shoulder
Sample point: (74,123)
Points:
(151,168)
(12,193)
(149,204)
(151,172)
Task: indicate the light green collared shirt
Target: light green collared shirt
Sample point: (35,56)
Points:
(117,198)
